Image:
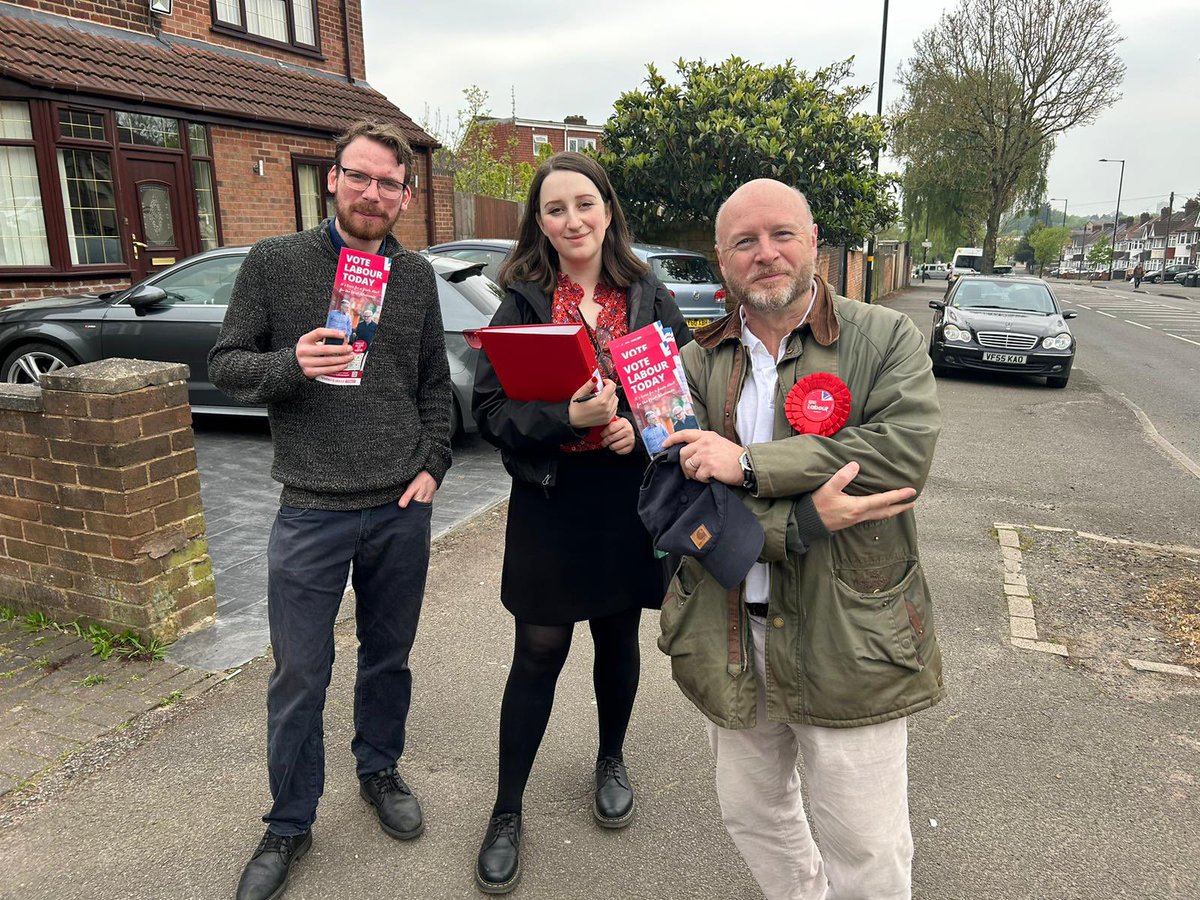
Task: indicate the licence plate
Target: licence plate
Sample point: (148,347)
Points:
(698,323)
(1016,359)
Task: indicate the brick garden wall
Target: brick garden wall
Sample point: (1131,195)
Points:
(100,512)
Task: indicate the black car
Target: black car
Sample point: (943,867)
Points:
(1002,324)
(1167,275)
(687,274)
(1189,277)
(175,316)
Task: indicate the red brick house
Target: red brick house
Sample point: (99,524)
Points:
(130,139)
(573,133)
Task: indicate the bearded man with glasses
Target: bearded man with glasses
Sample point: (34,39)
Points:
(359,467)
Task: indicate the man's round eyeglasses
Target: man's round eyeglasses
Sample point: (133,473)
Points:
(389,188)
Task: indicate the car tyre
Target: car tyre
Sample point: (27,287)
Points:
(42,358)
(1057,381)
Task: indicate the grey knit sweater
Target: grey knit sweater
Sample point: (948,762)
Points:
(338,447)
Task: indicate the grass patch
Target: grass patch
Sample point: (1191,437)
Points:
(36,621)
(7,614)
(42,662)
(171,699)
(126,645)
(93,680)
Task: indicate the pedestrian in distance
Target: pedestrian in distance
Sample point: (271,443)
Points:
(837,617)
(360,466)
(1138,274)
(575,549)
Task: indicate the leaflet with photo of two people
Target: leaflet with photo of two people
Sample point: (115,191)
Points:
(354,308)
(651,371)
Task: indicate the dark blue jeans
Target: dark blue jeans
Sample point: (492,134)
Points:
(309,555)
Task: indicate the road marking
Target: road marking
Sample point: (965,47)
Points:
(1178,338)
(1081,306)
(1139,325)
(1105,314)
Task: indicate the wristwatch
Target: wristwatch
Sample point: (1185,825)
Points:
(749,479)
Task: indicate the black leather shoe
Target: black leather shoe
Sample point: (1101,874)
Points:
(266,875)
(499,867)
(613,804)
(399,812)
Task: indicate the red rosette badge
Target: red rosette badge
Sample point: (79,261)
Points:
(818,404)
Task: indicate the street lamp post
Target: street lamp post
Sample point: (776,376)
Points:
(1064,225)
(879,112)
(1120,184)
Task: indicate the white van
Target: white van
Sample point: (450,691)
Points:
(966,260)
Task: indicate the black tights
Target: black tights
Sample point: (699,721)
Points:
(538,657)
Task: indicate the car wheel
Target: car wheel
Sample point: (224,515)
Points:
(1056,381)
(29,362)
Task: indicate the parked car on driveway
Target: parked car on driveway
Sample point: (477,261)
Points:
(1167,275)
(1005,324)
(175,316)
(687,274)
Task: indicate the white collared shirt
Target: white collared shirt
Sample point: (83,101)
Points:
(756,420)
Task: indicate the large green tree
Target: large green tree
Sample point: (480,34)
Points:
(988,90)
(675,151)
(1049,243)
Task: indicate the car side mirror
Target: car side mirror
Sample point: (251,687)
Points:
(145,295)
(1070,314)
(936,304)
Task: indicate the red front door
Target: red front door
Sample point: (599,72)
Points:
(159,228)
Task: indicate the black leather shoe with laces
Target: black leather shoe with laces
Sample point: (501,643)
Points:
(399,812)
(265,876)
(499,867)
(613,804)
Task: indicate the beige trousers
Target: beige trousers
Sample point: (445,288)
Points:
(858,791)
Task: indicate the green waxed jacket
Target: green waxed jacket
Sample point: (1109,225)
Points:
(850,637)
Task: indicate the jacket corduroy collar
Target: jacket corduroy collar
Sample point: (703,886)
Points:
(822,321)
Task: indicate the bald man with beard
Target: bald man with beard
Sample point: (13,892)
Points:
(828,645)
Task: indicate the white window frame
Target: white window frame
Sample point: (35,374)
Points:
(538,140)
(576,144)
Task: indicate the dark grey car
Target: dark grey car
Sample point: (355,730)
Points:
(176,314)
(687,275)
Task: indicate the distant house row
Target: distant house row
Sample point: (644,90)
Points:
(1152,241)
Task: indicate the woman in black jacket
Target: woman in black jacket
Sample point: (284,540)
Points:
(575,548)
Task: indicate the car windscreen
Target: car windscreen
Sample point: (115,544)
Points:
(683,269)
(999,295)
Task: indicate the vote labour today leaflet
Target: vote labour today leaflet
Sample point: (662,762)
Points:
(651,371)
(354,308)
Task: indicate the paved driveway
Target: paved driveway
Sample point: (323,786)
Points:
(240,500)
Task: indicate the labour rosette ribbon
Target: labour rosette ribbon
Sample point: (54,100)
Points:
(818,404)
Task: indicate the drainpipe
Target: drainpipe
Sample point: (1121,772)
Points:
(430,220)
(346,39)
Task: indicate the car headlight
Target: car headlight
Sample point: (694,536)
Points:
(954,333)
(1057,342)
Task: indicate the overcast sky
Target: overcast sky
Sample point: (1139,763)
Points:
(561,59)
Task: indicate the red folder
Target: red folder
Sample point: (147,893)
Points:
(539,362)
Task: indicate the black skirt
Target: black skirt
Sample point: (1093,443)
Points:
(578,550)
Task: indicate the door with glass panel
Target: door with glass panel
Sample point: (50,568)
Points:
(159,228)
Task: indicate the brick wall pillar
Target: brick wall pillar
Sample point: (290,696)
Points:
(100,513)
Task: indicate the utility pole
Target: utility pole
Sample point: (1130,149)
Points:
(1064,225)
(879,112)
(1112,260)
(1167,241)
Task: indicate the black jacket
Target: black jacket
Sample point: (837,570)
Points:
(530,433)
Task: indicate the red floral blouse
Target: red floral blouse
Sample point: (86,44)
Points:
(612,322)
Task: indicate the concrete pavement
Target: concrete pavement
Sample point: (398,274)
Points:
(1046,777)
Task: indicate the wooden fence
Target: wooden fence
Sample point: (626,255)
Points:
(476,216)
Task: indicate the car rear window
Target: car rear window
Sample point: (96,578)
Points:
(683,269)
(481,292)
(968,262)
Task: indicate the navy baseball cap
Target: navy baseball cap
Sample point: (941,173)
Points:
(703,520)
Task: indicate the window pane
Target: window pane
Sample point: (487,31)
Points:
(78,123)
(149,131)
(683,269)
(158,220)
(14,121)
(267,18)
(206,207)
(198,139)
(302,12)
(22,222)
(229,11)
(91,207)
(208,282)
(315,201)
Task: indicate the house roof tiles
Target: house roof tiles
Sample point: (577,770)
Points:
(59,54)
